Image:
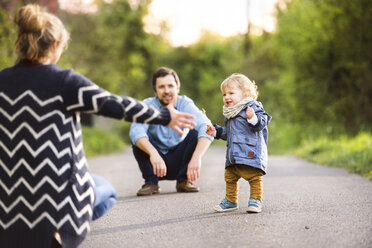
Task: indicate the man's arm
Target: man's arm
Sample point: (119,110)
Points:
(204,140)
(193,168)
(156,160)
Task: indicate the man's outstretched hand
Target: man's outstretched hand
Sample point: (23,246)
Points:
(180,119)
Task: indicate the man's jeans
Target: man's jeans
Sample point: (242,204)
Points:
(176,160)
(105,196)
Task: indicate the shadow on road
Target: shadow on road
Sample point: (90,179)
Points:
(159,223)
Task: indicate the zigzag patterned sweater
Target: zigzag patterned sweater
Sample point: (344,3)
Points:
(44,181)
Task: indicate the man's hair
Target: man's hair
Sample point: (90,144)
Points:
(162,72)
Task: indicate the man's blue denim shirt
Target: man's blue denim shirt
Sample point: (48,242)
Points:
(165,138)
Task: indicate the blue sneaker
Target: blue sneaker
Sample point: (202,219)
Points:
(225,206)
(254,206)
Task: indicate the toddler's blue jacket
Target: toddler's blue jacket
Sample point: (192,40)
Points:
(246,144)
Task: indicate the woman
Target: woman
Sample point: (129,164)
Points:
(45,187)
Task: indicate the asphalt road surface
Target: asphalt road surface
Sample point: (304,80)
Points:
(304,205)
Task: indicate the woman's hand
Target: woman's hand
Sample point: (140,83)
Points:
(180,119)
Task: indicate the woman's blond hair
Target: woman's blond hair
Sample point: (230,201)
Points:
(37,31)
(248,87)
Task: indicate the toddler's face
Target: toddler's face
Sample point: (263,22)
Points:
(231,95)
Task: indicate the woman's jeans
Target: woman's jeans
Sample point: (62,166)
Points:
(105,196)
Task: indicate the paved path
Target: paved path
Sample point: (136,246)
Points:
(305,205)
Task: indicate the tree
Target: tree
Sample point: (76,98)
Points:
(325,50)
(112,48)
(7,35)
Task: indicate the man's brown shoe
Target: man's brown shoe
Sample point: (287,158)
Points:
(148,189)
(186,186)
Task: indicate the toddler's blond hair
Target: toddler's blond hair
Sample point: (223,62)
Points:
(248,87)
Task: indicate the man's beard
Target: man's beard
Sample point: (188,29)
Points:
(163,103)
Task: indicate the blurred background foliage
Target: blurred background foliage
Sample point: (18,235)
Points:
(313,73)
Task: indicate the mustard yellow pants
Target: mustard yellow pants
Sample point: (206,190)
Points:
(253,175)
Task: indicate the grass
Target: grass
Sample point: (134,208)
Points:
(351,153)
(324,144)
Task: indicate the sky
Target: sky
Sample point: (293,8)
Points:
(187,19)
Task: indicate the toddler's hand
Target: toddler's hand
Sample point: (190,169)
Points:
(249,112)
(210,130)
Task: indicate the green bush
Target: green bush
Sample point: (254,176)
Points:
(351,153)
(98,142)
(325,144)
(286,136)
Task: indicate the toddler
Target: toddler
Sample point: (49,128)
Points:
(246,134)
